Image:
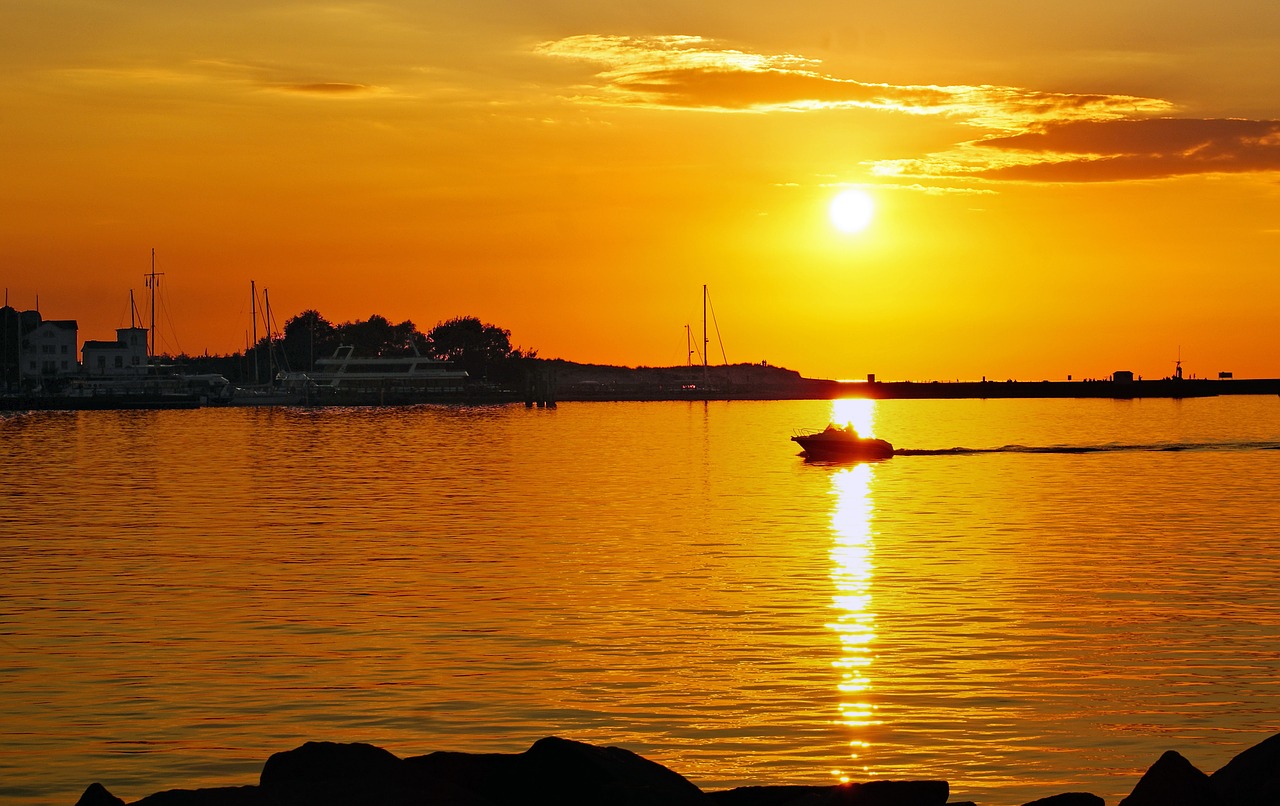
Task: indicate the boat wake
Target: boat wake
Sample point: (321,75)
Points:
(1109,448)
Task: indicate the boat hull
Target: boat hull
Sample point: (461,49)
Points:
(857,449)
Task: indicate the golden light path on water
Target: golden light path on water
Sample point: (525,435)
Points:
(851,574)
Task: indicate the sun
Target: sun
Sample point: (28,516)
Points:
(851,211)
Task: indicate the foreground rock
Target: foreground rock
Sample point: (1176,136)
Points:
(568,773)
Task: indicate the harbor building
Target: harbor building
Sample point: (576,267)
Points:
(127,355)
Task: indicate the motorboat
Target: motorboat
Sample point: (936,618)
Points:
(842,443)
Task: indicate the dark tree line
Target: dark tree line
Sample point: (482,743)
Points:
(483,350)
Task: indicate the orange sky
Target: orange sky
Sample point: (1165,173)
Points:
(1061,188)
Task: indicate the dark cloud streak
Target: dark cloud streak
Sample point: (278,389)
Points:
(1119,150)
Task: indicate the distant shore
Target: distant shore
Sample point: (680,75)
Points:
(584,382)
(547,382)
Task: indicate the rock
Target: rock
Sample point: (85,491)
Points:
(327,761)
(1171,781)
(900,793)
(1251,778)
(1069,799)
(467,778)
(216,796)
(570,773)
(873,793)
(324,773)
(772,796)
(97,795)
(576,774)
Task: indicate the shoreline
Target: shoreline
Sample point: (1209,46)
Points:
(571,773)
(547,382)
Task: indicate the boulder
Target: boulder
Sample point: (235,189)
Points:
(1251,778)
(97,795)
(572,773)
(1069,799)
(1171,781)
(873,793)
(331,773)
(772,796)
(216,796)
(467,778)
(328,761)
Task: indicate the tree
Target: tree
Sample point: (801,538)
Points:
(308,336)
(471,344)
(376,336)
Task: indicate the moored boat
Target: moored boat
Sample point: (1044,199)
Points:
(842,443)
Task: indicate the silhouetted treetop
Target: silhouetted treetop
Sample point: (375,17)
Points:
(472,344)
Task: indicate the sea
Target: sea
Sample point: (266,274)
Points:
(1031,597)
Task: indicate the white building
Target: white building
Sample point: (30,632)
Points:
(49,350)
(127,355)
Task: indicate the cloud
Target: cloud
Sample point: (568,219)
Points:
(1031,135)
(1116,150)
(689,72)
(326,88)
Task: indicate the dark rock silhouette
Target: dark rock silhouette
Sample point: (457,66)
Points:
(569,773)
(217,796)
(873,793)
(1069,799)
(97,795)
(1171,781)
(1251,778)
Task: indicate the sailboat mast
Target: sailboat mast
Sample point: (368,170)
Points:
(705,342)
(271,347)
(153,281)
(253,316)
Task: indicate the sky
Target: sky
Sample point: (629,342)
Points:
(1058,188)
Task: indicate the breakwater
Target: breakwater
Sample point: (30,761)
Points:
(570,773)
(580,382)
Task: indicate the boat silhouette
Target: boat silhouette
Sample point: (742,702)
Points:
(842,443)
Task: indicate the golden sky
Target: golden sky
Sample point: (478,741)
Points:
(1060,188)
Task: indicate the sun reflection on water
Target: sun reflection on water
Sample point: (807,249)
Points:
(858,412)
(852,572)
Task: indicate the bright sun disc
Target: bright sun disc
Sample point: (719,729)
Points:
(851,211)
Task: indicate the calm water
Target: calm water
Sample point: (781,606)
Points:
(186,592)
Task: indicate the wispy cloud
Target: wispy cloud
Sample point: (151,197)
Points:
(689,72)
(326,88)
(1085,151)
(213,73)
(1030,135)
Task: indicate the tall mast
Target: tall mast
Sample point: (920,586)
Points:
(153,281)
(271,347)
(253,315)
(705,343)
